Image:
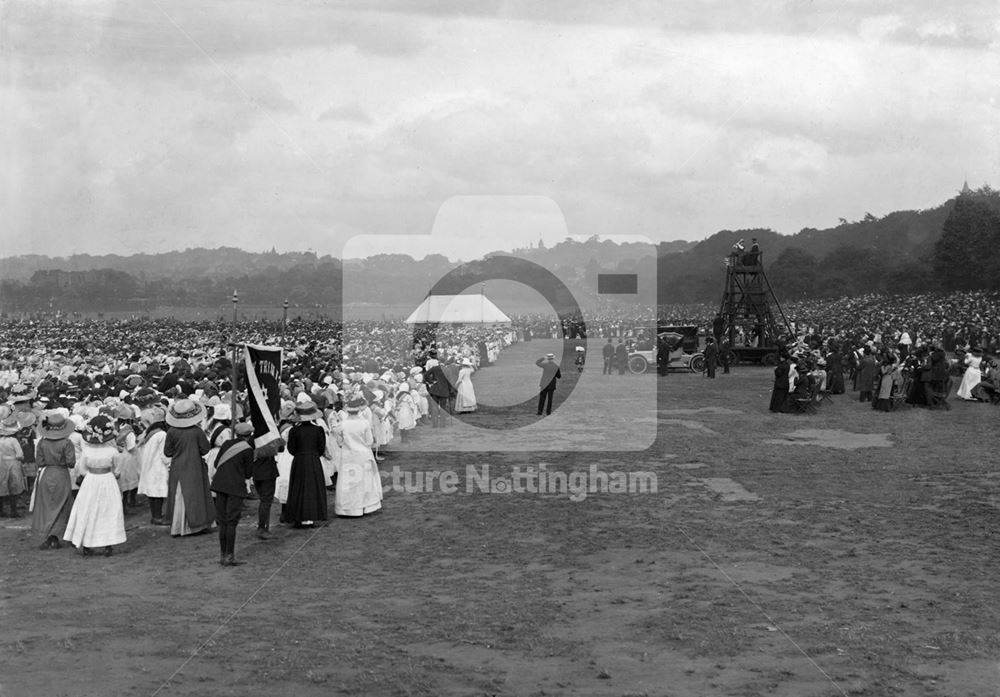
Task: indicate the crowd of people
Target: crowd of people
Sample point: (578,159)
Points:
(94,415)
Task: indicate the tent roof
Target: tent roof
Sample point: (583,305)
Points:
(458,309)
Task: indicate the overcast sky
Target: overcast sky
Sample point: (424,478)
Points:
(151,125)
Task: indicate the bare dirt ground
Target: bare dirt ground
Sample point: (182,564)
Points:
(851,552)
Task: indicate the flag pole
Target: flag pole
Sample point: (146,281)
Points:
(232,401)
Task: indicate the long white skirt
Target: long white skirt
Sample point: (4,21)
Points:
(359,485)
(97,518)
(971,378)
(284,462)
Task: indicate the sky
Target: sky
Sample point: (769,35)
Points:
(156,125)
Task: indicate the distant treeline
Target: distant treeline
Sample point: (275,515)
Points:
(955,246)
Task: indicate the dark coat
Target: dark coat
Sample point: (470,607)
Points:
(867,369)
(437,382)
(939,367)
(265,468)
(780,392)
(306,481)
(187,448)
(234,466)
(711,354)
(550,373)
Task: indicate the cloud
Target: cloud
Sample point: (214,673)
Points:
(303,125)
(347,112)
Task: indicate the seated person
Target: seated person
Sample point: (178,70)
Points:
(988,389)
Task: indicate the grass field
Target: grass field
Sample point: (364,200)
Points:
(851,552)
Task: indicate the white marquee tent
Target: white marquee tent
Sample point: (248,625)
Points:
(458,309)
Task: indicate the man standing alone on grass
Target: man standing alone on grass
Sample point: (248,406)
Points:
(547,385)
(711,357)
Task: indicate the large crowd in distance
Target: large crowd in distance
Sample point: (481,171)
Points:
(142,407)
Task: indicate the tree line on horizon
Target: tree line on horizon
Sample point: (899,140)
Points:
(955,246)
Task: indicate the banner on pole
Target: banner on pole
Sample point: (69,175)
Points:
(263,364)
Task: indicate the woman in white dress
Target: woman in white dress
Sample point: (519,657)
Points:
(127,442)
(465,397)
(406,411)
(973,375)
(419,391)
(334,445)
(153,465)
(359,484)
(97,518)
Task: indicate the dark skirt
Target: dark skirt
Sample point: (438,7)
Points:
(778,398)
(52,502)
(306,490)
(835,381)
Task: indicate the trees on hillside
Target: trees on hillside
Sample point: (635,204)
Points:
(967,256)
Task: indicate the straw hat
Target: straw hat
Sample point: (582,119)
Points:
(98,430)
(55,426)
(222,412)
(22,393)
(9,426)
(286,410)
(184,413)
(26,419)
(308,411)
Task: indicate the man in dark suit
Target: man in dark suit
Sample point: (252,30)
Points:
(234,466)
(547,384)
(711,357)
(265,476)
(621,356)
(608,353)
(439,391)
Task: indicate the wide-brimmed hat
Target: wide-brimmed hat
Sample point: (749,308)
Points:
(21,393)
(26,419)
(404,387)
(184,413)
(286,410)
(9,426)
(222,412)
(55,426)
(355,404)
(308,411)
(99,430)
